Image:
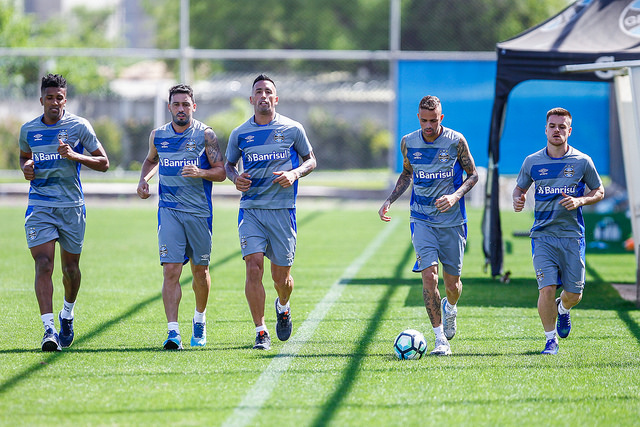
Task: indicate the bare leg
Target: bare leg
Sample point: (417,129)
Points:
(253,288)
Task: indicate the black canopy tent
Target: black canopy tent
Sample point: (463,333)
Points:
(587,31)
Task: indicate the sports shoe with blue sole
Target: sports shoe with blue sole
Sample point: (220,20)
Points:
(50,341)
(66,331)
(198,334)
(173,341)
(551,347)
(563,325)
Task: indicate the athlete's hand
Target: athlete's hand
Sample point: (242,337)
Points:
(445,202)
(143,189)
(65,150)
(570,203)
(191,171)
(518,202)
(383,211)
(28,170)
(243,183)
(285,178)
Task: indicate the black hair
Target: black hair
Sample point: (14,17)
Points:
(53,80)
(263,77)
(181,88)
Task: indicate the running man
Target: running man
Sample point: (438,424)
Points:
(434,157)
(561,175)
(51,153)
(185,152)
(275,153)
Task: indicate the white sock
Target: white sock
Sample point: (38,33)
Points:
(67,310)
(47,321)
(561,309)
(550,335)
(173,326)
(449,306)
(439,333)
(282,308)
(199,317)
(261,328)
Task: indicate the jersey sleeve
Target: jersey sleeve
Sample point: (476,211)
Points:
(591,176)
(524,177)
(88,137)
(24,145)
(233,152)
(301,143)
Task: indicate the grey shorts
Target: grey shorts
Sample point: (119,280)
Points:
(438,243)
(43,224)
(559,261)
(270,231)
(183,237)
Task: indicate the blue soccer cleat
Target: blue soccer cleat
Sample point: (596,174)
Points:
(66,331)
(173,341)
(563,325)
(50,341)
(198,334)
(448,320)
(551,347)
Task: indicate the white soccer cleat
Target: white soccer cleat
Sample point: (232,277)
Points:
(442,348)
(449,320)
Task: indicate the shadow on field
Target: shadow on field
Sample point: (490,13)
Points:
(50,358)
(350,373)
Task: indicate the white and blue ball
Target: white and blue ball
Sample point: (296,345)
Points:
(410,344)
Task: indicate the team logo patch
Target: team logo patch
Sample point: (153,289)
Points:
(243,242)
(569,171)
(539,275)
(204,257)
(163,251)
(32,233)
(278,136)
(443,156)
(629,20)
(191,145)
(37,137)
(417,155)
(164,144)
(543,171)
(290,257)
(63,135)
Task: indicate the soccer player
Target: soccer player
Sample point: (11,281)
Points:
(434,157)
(561,175)
(51,152)
(186,154)
(275,153)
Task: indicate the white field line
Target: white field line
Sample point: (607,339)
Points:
(264,385)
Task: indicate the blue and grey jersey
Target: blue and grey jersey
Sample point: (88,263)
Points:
(264,149)
(568,174)
(57,180)
(436,172)
(176,150)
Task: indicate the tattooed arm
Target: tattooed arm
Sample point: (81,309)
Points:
(216,172)
(445,202)
(404,180)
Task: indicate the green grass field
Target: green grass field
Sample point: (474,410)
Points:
(354,293)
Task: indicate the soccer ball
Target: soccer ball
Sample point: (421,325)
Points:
(410,344)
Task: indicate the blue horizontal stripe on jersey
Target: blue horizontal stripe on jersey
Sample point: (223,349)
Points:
(420,215)
(547,170)
(253,138)
(262,182)
(423,155)
(422,200)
